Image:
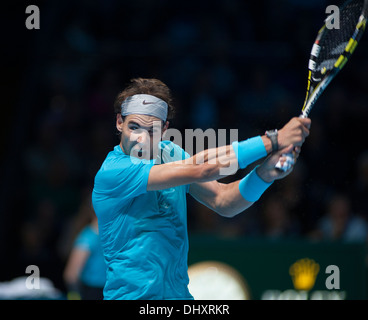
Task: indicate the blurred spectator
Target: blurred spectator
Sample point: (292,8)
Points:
(276,221)
(205,113)
(339,222)
(360,192)
(261,97)
(38,237)
(85,271)
(52,166)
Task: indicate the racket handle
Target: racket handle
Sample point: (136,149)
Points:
(289,162)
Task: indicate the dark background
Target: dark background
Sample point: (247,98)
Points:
(230,64)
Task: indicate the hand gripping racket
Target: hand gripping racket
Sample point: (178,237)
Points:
(330,52)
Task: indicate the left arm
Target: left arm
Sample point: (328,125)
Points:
(226,199)
(74,266)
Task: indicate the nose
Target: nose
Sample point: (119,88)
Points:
(142,137)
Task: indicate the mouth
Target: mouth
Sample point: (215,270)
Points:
(138,151)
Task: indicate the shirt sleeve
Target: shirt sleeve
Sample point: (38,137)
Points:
(123,178)
(83,240)
(169,152)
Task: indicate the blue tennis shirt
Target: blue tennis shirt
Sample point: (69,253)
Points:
(94,270)
(143,233)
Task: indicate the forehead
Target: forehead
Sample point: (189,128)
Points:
(143,120)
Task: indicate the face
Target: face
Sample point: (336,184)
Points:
(140,134)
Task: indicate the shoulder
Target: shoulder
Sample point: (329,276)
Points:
(85,237)
(116,158)
(122,176)
(118,163)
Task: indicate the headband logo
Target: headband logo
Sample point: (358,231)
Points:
(144,102)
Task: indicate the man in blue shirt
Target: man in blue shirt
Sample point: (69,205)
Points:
(140,197)
(85,270)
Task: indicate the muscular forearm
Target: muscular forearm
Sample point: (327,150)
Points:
(217,158)
(224,157)
(208,165)
(200,168)
(230,202)
(213,155)
(235,197)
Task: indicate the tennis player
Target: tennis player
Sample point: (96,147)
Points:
(140,199)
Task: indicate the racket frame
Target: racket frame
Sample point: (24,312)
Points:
(315,88)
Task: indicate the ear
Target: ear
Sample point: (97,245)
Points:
(166,126)
(119,122)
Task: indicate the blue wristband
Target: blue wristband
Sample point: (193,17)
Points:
(252,186)
(249,150)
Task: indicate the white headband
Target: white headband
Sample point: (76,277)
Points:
(145,104)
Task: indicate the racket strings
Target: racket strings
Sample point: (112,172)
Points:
(333,41)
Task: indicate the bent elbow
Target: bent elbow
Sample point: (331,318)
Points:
(227,213)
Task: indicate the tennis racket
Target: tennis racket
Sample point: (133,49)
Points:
(330,52)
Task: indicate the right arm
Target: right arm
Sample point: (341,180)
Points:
(206,165)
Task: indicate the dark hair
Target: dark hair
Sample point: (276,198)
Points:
(153,87)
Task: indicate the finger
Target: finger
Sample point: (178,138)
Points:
(305,131)
(295,155)
(291,160)
(304,125)
(286,162)
(306,122)
(286,150)
(297,149)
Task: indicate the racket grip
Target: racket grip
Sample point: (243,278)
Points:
(289,162)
